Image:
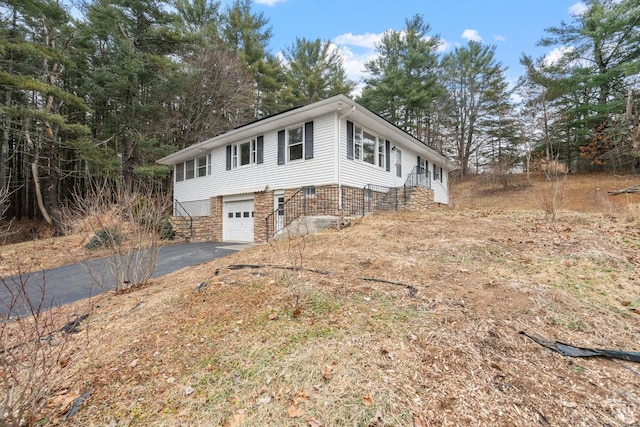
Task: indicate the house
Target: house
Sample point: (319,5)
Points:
(332,157)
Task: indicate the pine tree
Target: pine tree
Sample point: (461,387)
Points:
(36,110)
(599,65)
(314,71)
(403,85)
(478,93)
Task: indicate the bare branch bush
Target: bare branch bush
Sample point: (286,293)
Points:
(556,173)
(36,351)
(128,226)
(501,172)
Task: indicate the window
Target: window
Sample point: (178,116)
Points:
(202,166)
(436,172)
(398,163)
(190,169)
(244,154)
(180,172)
(369,148)
(309,192)
(194,168)
(253,156)
(358,144)
(295,143)
(381,154)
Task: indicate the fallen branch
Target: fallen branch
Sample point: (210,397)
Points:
(632,189)
(255,266)
(412,290)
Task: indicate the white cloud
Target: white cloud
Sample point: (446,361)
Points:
(499,38)
(366,40)
(471,35)
(577,9)
(269,2)
(444,46)
(556,54)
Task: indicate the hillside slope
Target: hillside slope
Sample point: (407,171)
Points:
(399,319)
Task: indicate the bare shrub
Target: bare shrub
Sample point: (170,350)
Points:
(553,169)
(129,226)
(36,354)
(556,174)
(500,173)
(36,351)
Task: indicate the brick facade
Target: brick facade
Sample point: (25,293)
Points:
(419,199)
(262,207)
(324,202)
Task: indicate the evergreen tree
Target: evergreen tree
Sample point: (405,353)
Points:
(403,85)
(314,71)
(599,65)
(131,78)
(477,88)
(248,35)
(37,109)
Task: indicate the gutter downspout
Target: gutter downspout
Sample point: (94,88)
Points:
(338,133)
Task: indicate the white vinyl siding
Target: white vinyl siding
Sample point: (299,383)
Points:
(322,169)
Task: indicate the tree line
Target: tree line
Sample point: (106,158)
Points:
(97,91)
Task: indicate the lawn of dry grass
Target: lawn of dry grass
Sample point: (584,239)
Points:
(267,345)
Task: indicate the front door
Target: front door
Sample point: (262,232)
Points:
(398,164)
(278,206)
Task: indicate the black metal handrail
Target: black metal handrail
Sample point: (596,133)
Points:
(345,201)
(419,177)
(377,198)
(312,201)
(176,209)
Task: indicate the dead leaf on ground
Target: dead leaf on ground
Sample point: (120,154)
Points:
(294,411)
(236,420)
(417,422)
(314,423)
(368,400)
(327,372)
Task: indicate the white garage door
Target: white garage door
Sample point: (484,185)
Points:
(237,224)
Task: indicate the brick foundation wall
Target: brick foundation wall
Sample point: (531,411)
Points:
(216,215)
(210,228)
(262,206)
(201,228)
(420,199)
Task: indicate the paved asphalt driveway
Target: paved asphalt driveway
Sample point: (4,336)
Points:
(70,283)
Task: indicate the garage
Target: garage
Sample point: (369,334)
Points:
(237,224)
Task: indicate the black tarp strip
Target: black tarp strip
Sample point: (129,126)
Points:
(572,351)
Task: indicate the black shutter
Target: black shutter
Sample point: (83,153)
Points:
(419,169)
(281,147)
(260,150)
(440,174)
(349,140)
(387,154)
(308,140)
(228,157)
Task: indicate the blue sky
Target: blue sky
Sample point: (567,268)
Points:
(514,26)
